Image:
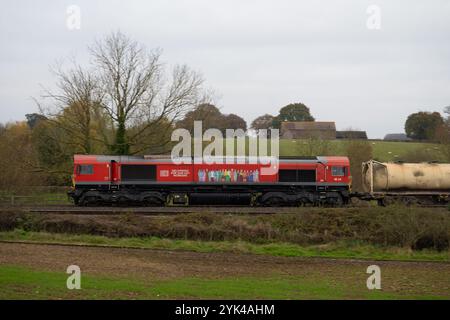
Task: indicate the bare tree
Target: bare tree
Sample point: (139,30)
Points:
(137,92)
(74,108)
(447,111)
(124,103)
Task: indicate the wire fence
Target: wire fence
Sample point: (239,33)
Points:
(45,195)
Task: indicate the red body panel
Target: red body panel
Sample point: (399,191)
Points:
(107,169)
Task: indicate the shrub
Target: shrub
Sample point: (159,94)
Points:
(416,228)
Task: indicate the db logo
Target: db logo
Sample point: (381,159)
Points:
(164,173)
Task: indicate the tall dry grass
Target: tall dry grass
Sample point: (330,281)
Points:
(415,228)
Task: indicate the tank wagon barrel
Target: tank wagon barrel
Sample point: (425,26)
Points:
(378,176)
(405,181)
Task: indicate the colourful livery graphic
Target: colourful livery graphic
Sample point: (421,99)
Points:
(228,175)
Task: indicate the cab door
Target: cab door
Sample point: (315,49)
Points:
(113,173)
(321,173)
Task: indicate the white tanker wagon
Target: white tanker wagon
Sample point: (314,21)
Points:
(421,183)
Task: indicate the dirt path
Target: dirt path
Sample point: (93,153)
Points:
(160,264)
(405,277)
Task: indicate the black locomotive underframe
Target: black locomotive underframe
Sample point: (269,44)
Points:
(159,194)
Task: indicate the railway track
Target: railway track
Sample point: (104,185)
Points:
(151,210)
(154,211)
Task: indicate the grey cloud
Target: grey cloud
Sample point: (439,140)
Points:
(258,55)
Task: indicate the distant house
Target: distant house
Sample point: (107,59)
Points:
(396,137)
(351,134)
(308,129)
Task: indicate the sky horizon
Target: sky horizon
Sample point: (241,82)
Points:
(362,64)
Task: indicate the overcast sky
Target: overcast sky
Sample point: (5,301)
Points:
(257,55)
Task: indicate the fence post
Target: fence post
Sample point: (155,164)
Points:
(12,200)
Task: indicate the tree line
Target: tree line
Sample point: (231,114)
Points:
(127,101)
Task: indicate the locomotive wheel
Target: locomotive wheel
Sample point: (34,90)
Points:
(152,202)
(89,201)
(123,201)
(274,201)
(336,201)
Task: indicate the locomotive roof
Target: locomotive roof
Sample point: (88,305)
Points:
(167,158)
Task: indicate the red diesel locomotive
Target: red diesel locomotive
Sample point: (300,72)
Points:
(157,181)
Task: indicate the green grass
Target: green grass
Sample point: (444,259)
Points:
(391,151)
(332,250)
(382,150)
(252,288)
(36,198)
(24,283)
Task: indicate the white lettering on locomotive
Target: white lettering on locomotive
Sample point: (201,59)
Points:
(258,147)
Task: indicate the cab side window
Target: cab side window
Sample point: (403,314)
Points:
(85,169)
(338,171)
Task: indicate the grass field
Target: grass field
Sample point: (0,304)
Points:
(23,283)
(382,150)
(33,198)
(339,250)
(321,257)
(30,271)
